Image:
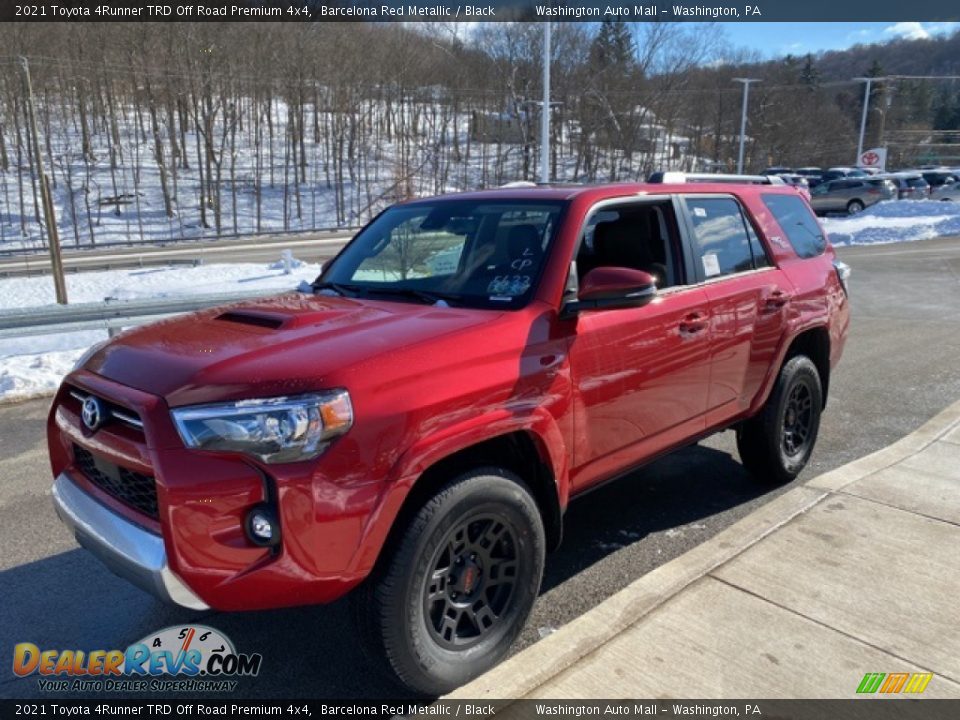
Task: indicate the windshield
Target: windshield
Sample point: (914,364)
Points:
(463,253)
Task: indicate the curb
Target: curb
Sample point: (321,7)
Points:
(523,673)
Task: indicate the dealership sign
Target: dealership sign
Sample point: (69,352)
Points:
(874,158)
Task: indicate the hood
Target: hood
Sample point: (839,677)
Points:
(275,346)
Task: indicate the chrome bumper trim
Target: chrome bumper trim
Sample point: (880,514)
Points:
(127,549)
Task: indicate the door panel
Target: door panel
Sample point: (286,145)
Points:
(748,315)
(640,377)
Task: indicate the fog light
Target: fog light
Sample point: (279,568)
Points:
(262,526)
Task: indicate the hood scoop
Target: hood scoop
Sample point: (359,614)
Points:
(268,321)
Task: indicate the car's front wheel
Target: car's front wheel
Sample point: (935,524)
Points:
(454,592)
(776,444)
(854,207)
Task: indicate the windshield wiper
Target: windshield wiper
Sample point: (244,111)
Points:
(339,288)
(428,296)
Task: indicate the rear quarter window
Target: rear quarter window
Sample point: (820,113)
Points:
(798,223)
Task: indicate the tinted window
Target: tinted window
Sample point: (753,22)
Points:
(917,182)
(796,220)
(720,232)
(760,259)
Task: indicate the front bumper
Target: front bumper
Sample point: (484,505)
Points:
(127,549)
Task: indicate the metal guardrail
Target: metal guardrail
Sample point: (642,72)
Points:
(184,242)
(110,314)
(144,257)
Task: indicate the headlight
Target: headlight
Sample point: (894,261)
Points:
(277,430)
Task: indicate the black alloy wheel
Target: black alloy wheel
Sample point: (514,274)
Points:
(797,419)
(473,580)
(455,583)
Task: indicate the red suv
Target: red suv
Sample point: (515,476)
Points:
(412,426)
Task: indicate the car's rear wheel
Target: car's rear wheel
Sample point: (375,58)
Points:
(450,597)
(854,207)
(776,444)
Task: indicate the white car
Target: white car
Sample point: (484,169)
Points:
(950,190)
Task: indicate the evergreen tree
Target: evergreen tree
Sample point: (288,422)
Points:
(612,47)
(809,75)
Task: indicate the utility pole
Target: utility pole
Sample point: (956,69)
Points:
(46,198)
(743,118)
(545,110)
(863,117)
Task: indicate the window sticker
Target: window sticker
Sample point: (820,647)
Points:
(508,285)
(699,212)
(711,265)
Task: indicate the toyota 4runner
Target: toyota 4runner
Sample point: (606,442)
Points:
(411,427)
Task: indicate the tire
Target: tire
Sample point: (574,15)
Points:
(776,444)
(400,611)
(854,207)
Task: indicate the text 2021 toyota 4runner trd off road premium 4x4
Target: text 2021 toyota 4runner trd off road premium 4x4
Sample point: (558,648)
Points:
(412,427)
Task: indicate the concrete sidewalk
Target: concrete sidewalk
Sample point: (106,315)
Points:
(856,571)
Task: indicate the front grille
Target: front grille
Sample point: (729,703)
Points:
(111,411)
(129,487)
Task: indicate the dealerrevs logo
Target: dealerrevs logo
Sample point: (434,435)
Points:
(180,658)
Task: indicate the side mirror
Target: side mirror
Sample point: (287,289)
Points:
(610,288)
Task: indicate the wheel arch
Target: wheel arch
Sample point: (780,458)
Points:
(521,452)
(520,448)
(815,344)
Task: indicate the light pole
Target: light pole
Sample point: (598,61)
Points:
(545,110)
(743,118)
(863,117)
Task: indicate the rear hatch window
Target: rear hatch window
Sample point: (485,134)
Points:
(797,221)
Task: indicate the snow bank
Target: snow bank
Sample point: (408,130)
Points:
(895,221)
(34,365)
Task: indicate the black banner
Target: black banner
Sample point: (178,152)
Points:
(854,709)
(477,11)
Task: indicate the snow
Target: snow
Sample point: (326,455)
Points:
(32,366)
(895,221)
(96,203)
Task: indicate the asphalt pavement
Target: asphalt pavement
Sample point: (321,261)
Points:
(900,369)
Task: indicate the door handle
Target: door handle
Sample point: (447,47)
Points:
(693,323)
(777,299)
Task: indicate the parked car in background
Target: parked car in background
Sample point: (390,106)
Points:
(948,191)
(798,181)
(835,173)
(870,170)
(850,195)
(939,176)
(910,185)
(814,175)
(777,170)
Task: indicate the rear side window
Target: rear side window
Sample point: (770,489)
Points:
(796,220)
(722,236)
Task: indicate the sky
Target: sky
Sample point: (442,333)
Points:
(777,39)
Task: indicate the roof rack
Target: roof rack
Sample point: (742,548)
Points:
(671,177)
(531,184)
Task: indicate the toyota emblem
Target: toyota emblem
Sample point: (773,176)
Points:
(92,413)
